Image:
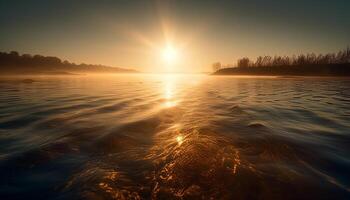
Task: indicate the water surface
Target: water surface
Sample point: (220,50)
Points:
(174,137)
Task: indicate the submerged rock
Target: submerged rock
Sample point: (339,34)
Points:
(256,125)
(28,80)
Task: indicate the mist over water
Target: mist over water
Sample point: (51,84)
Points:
(174,137)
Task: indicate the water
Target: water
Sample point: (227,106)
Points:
(174,137)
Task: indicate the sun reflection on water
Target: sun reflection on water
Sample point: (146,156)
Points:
(170,104)
(179,139)
(169,91)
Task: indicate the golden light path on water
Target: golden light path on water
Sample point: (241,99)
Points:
(177,136)
(179,139)
(169,88)
(184,152)
(190,144)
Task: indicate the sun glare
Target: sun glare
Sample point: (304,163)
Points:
(179,139)
(170,55)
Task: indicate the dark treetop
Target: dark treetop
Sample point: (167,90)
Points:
(14,63)
(332,64)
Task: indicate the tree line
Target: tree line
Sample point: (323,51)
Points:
(342,57)
(13,62)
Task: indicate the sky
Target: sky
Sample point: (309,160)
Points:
(135,33)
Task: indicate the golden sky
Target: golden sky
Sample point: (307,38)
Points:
(135,34)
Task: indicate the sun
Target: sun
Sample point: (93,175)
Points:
(170,55)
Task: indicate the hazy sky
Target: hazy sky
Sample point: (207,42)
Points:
(129,33)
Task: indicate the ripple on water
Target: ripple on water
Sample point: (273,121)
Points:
(223,138)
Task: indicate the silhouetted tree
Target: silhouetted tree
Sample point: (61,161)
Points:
(14,54)
(216,66)
(14,62)
(259,61)
(331,63)
(243,62)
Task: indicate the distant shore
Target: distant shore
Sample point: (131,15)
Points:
(59,73)
(309,64)
(13,63)
(295,70)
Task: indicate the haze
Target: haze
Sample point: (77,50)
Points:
(134,34)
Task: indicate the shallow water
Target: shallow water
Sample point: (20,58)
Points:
(174,137)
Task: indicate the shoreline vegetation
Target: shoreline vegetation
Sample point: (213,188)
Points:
(13,63)
(332,64)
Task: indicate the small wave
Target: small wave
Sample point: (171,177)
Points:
(256,125)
